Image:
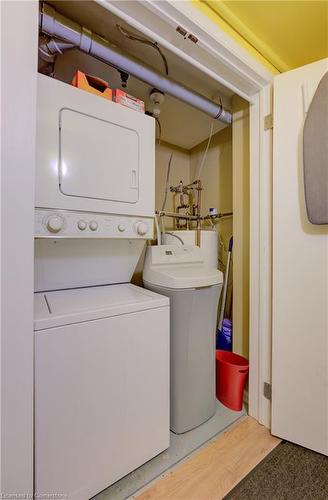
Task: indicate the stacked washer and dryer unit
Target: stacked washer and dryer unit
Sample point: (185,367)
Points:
(108,382)
(101,343)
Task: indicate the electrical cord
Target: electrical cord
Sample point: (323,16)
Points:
(205,152)
(221,109)
(175,236)
(131,36)
(167,182)
(149,113)
(162,226)
(159,130)
(158,232)
(209,141)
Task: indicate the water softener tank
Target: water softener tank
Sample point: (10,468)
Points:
(194,288)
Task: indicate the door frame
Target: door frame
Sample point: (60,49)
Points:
(247,77)
(260,317)
(217,55)
(19,22)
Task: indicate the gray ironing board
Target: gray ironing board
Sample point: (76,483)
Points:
(315,155)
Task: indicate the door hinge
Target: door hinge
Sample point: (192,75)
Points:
(186,35)
(268,122)
(267,390)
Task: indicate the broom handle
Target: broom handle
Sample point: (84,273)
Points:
(225,285)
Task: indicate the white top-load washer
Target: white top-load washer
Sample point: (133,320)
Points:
(101,386)
(101,344)
(194,288)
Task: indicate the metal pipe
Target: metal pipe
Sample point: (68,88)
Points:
(176,215)
(219,215)
(54,24)
(50,48)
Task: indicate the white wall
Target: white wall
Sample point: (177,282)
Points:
(19,31)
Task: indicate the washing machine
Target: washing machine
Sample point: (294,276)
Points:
(101,386)
(194,288)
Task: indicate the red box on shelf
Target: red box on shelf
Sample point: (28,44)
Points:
(129,101)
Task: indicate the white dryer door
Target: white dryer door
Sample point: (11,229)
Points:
(98,159)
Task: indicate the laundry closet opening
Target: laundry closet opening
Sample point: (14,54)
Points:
(201,187)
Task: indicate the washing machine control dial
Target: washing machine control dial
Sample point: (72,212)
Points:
(142,228)
(55,223)
(93,225)
(82,225)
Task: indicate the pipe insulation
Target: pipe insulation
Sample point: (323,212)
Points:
(56,25)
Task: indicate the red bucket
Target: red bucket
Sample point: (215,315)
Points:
(231,376)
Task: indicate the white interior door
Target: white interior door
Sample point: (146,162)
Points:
(300,275)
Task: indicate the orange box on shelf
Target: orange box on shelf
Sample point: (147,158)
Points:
(128,100)
(92,84)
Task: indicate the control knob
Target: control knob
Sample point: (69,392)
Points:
(55,223)
(121,228)
(93,225)
(82,225)
(142,228)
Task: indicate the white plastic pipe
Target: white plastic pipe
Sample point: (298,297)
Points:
(54,24)
(158,232)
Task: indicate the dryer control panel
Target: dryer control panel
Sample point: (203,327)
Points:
(73,224)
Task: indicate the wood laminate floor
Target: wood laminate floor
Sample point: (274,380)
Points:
(213,471)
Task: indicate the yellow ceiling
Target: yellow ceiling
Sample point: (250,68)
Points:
(284,34)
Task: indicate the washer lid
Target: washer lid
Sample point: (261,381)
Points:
(183,276)
(65,307)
